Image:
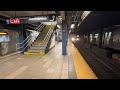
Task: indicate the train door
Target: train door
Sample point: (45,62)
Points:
(106,38)
(109,37)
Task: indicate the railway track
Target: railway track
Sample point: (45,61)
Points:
(102,67)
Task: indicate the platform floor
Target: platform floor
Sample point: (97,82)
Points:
(53,65)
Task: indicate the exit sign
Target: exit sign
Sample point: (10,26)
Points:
(13,21)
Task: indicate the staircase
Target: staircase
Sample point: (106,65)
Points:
(39,46)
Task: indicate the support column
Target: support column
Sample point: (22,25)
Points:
(64,37)
(22,36)
(100,38)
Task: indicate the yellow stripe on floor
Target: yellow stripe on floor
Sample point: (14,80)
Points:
(9,54)
(83,70)
(33,53)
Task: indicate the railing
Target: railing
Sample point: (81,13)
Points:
(38,29)
(46,39)
(47,36)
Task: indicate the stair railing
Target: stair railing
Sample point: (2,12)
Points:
(46,39)
(39,28)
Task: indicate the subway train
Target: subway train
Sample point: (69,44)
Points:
(110,40)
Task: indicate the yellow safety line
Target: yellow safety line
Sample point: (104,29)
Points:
(7,54)
(83,70)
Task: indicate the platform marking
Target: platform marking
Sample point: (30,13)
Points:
(17,72)
(83,70)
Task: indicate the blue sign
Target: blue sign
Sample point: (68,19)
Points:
(4,38)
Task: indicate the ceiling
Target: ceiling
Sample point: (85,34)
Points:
(98,20)
(25,13)
(73,17)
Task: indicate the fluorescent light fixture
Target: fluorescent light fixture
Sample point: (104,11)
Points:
(72,26)
(51,20)
(3,33)
(58,26)
(38,18)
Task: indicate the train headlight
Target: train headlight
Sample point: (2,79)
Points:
(77,39)
(73,39)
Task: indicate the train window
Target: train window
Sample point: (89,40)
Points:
(91,37)
(96,35)
(108,38)
(106,35)
(77,35)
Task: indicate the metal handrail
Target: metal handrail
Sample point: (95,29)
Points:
(24,48)
(28,39)
(25,44)
(46,35)
(49,36)
(20,43)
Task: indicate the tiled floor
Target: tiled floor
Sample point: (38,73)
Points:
(51,66)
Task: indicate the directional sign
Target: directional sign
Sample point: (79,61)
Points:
(31,19)
(13,21)
(8,21)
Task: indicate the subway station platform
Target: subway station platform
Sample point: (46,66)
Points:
(53,65)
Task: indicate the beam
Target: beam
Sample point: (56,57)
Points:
(62,13)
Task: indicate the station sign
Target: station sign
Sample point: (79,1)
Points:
(31,19)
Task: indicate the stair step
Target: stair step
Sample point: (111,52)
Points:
(38,45)
(38,40)
(31,50)
(32,47)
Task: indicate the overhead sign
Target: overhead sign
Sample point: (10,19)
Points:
(41,18)
(13,21)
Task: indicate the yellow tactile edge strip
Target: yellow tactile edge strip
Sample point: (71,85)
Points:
(83,70)
(33,53)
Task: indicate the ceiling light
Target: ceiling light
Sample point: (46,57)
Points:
(51,20)
(38,18)
(72,26)
(58,26)
(3,33)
